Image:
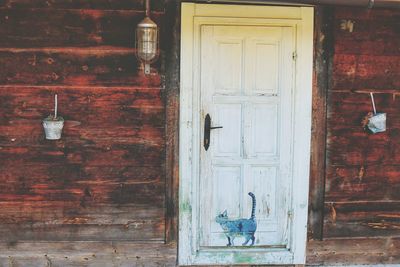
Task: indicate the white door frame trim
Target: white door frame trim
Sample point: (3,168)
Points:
(193,16)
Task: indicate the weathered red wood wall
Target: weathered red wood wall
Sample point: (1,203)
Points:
(112,178)
(362,188)
(104,180)
(363,181)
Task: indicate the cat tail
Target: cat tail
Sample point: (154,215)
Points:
(253,208)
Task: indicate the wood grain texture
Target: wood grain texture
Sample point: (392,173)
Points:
(111,154)
(359,219)
(30,27)
(362,179)
(105,179)
(366,71)
(365,182)
(353,251)
(367,57)
(33,254)
(322,62)
(108,115)
(155,5)
(132,230)
(101,66)
(172,85)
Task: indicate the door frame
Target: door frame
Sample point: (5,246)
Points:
(192,17)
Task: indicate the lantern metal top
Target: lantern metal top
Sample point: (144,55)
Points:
(147,23)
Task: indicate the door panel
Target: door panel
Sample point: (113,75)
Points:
(229,61)
(227,145)
(246,87)
(263,130)
(262,83)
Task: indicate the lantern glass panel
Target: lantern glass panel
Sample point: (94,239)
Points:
(147,40)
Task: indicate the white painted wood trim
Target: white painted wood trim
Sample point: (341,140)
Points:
(247,11)
(185,135)
(194,15)
(302,134)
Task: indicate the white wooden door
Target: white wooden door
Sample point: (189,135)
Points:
(249,68)
(246,87)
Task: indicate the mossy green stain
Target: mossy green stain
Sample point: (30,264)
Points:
(185,207)
(240,258)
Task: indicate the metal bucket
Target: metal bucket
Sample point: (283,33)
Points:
(53,128)
(377,123)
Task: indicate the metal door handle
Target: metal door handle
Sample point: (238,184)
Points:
(207,130)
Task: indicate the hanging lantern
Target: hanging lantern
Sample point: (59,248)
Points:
(147,41)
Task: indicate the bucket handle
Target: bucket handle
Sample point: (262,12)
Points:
(373,102)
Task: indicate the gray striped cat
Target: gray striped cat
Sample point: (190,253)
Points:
(239,227)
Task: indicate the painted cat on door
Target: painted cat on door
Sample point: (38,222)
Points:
(239,227)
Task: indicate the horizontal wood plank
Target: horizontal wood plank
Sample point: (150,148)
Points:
(25,132)
(132,230)
(61,174)
(82,4)
(366,14)
(344,251)
(366,71)
(75,67)
(365,46)
(70,212)
(117,155)
(365,182)
(85,193)
(88,254)
(358,219)
(30,27)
